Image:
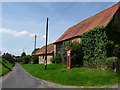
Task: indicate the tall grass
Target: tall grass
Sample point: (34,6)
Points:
(58,73)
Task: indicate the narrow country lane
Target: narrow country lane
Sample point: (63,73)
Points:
(18,78)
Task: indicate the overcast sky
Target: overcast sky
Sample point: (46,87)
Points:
(21,20)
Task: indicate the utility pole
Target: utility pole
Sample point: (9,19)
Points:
(46,44)
(35,42)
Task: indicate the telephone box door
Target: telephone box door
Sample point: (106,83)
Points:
(70,54)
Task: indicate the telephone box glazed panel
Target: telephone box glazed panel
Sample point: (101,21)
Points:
(70,62)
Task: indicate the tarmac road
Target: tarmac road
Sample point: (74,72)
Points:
(18,78)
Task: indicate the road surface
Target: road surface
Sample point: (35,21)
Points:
(18,78)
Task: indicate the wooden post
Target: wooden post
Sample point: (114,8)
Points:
(46,44)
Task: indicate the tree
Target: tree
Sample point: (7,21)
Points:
(56,59)
(34,59)
(23,54)
(35,50)
(25,59)
(8,57)
(18,59)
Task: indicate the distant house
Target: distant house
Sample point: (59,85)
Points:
(41,54)
(100,19)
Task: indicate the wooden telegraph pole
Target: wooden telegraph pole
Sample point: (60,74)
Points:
(46,44)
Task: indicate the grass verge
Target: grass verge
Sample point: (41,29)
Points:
(58,73)
(5,66)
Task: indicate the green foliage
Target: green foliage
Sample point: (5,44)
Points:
(56,59)
(116,50)
(71,45)
(109,61)
(58,73)
(8,57)
(113,39)
(100,43)
(25,59)
(34,59)
(17,59)
(104,64)
(94,45)
(5,66)
(35,50)
(68,45)
(23,54)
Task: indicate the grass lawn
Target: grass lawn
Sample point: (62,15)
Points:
(58,73)
(3,69)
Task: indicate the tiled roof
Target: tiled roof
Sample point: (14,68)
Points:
(99,19)
(50,49)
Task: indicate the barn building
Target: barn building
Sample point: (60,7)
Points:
(100,19)
(112,14)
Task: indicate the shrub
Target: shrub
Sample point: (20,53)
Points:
(5,66)
(110,60)
(34,59)
(8,57)
(17,59)
(76,46)
(25,59)
(107,63)
(56,59)
(116,51)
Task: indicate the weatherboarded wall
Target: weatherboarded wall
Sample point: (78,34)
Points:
(42,59)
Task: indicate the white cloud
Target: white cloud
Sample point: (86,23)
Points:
(2,49)
(16,33)
(44,36)
(19,51)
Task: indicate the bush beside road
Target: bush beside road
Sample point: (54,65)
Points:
(5,66)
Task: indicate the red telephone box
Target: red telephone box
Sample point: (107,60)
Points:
(70,62)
